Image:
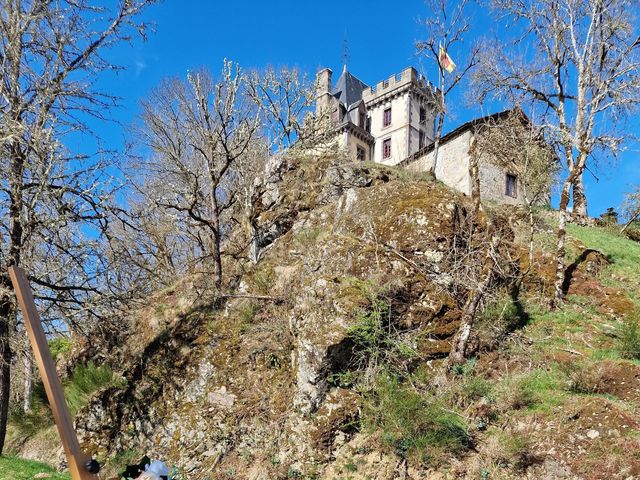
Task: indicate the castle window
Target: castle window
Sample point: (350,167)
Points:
(386,148)
(386,118)
(423,115)
(421,138)
(511,185)
(361,155)
(363,120)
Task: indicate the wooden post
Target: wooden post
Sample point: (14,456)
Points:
(75,457)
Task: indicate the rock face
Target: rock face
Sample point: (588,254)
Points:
(247,384)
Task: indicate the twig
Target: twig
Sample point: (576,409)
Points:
(458,414)
(575,352)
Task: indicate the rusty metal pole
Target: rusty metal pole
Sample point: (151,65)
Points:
(76,458)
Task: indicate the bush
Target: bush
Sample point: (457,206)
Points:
(583,377)
(59,346)
(499,317)
(376,340)
(413,425)
(629,338)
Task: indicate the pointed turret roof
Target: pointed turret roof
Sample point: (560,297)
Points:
(348,89)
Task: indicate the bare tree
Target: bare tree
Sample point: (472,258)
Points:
(198,130)
(579,60)
(631,208)
(446,25)
(146,249)
(52,200)
(284,97)
(480,260)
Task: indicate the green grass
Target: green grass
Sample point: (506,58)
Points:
(413,425)
(538,390)
(622,252)
(15,468)
(629,338)
(86,380)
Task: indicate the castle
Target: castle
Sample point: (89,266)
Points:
(393,123)
(386,123)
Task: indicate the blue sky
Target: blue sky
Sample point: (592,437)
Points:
(381,37)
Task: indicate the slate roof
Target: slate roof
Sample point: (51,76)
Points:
(348,89)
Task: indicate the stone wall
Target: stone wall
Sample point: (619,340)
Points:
(493,184)
(453,163)
(349,143)
(453,171)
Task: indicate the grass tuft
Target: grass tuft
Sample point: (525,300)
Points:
(413,425)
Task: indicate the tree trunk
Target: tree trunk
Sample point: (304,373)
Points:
(254,248)
(458,354)
(217,261)
(562,233)
(474,174)
(532,236)
(440,124)
(633,218)
(579,199)
(6,313)
(436,143)
(27,362)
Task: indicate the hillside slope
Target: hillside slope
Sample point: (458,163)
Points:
(325,362)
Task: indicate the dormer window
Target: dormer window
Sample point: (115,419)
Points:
(386,117)
(363,120)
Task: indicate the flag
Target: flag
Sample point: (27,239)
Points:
(445,60)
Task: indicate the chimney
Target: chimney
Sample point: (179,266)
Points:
(323,90)
(323,81)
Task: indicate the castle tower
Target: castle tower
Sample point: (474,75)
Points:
(401,110)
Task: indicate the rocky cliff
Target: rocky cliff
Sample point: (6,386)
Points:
(281,378)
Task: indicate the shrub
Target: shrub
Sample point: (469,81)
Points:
(583,377)
(376,341)
(629,337)
(59,346)
(499,317)
(263,279)
(411,424)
